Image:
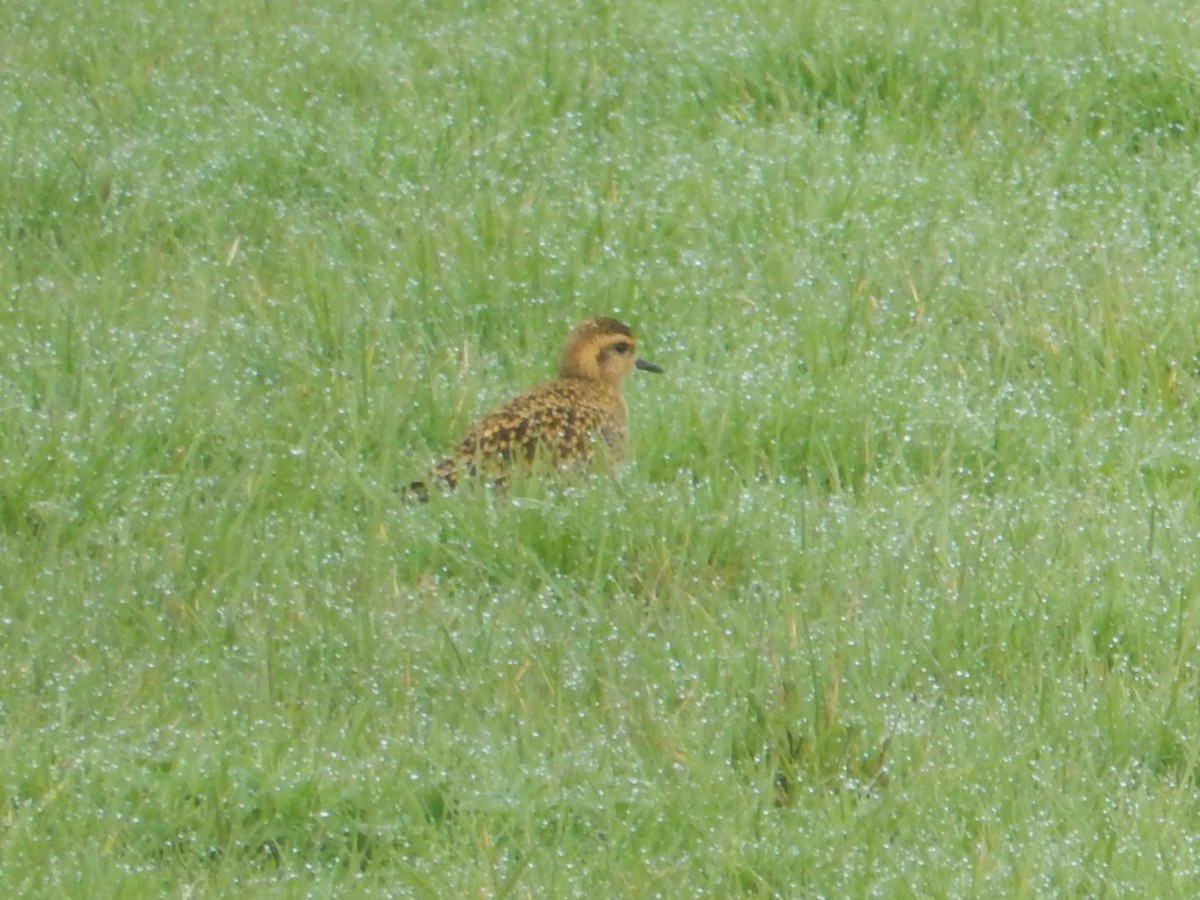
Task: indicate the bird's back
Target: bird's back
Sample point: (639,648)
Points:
(559,419)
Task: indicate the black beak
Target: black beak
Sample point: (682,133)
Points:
(648,367)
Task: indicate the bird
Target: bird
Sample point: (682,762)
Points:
(564,420)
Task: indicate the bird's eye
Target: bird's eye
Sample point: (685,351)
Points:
(622,346)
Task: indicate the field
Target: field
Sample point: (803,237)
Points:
(898,596)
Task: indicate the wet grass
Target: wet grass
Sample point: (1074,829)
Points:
(898,597)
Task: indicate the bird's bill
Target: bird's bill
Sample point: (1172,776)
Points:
(647,366)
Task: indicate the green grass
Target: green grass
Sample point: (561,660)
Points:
(899,595)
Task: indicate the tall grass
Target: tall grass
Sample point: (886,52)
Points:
(898,595)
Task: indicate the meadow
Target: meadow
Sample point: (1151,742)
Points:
(898,596)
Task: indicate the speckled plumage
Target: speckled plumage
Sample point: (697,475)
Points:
(560,419)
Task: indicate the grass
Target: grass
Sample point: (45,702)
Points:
(899,595)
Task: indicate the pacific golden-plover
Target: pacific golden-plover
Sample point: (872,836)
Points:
(559,420)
